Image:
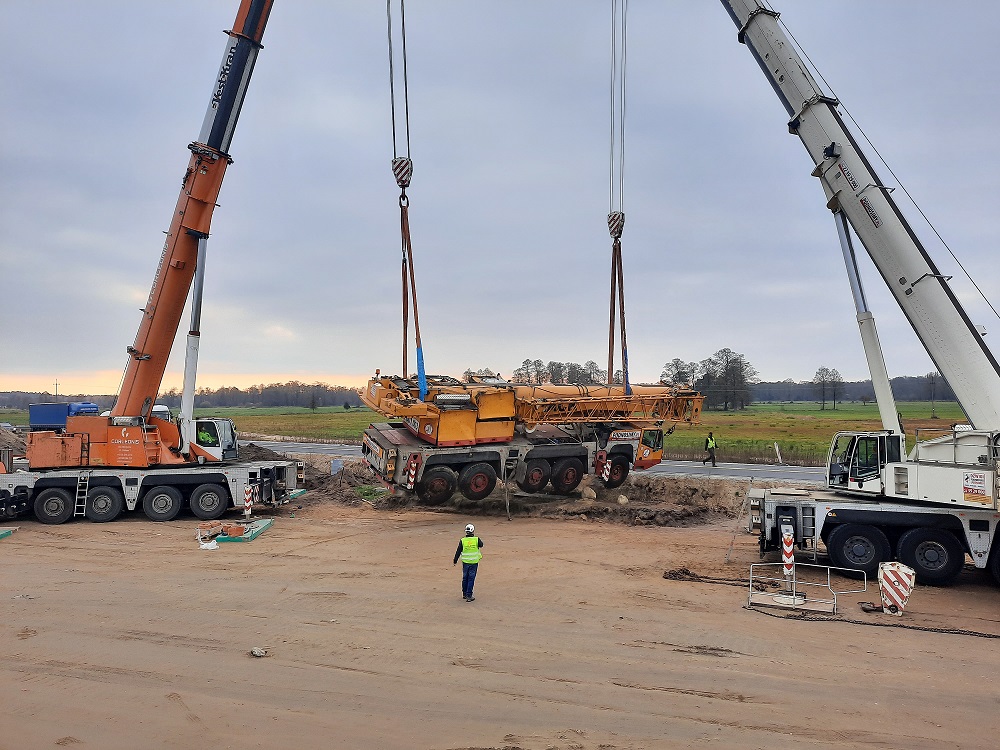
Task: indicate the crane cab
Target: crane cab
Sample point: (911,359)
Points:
(857,460)
(214,439)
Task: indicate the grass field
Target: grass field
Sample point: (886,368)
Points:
(802,430)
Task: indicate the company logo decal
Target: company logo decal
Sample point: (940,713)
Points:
(624,435)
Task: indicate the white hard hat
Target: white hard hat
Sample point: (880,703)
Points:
(470,529)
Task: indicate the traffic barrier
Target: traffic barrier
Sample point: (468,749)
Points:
(895,584)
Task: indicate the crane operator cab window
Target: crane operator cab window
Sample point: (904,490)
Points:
(208,435)
(840,459)
(652,439)
(865,463)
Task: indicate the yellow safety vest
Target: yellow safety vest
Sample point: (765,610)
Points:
(711,442)
(470,550)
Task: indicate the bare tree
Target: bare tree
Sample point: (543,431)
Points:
(725,380)
(828,384)
(679,372)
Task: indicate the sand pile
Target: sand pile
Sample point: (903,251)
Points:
(13,440)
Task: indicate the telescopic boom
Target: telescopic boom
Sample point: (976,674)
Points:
(192,216)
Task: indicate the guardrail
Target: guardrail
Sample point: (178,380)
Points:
(795,592)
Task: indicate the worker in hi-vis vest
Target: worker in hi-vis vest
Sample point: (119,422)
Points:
(710,446)
(468,551)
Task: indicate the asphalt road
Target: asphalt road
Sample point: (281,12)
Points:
(758,472)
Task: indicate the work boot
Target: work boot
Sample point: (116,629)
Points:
(471,599)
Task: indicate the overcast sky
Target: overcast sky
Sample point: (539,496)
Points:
(727,244)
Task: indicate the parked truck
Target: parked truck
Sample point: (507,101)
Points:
(97,466)
(934,504)
(465,436)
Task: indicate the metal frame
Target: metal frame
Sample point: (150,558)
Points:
(797,595)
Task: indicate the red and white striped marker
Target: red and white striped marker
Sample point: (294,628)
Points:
(247,500)
(411,471)
(788,553)
(895,583)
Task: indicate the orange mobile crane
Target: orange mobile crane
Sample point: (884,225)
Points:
(98,465)
(465,435)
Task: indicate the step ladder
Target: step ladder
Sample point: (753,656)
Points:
(809,529)
(82,486)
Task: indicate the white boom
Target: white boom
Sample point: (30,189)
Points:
(954,344)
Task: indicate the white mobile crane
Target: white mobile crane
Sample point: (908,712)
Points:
(930,507)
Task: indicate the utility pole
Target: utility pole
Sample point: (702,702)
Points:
(57,388)
(932,380)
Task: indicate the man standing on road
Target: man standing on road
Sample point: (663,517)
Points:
(468,551)
(710,446)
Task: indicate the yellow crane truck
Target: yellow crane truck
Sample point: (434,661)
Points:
(466,435)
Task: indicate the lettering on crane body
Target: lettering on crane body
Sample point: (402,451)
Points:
(850,177)
(872,213)
(227,65)
(624,435)
(374,447)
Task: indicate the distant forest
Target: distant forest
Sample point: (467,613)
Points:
(315,395)
(293,393)
(907,388)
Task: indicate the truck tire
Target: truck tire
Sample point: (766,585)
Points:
(618,473)
(994,563)
(858,547)
(162,503)
(935,554)
(567,474)
(536,475)
(477,481)
(54,505)
(104,504)
(437,485)
(209,501)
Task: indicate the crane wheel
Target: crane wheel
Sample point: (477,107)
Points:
(536,475)
(935,555)
(54,505)
(858,547)
(618,473)
(567,474)
(994,564)
(477,481)
(162,503)
(437,485)
(209,501)
(104,504)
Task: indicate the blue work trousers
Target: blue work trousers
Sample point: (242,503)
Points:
(468,578)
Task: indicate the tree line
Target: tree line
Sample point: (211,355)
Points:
(727,380)
(730,382)
(292,393)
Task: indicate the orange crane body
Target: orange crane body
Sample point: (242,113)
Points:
(130,437)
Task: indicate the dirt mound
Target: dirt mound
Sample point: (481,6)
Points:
(10,439)
(644,499)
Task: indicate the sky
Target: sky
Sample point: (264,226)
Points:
(727,241)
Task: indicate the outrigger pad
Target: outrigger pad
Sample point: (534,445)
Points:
(253,530)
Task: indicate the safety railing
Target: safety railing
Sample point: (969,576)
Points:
(813,591)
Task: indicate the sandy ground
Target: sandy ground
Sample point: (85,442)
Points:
(128,635)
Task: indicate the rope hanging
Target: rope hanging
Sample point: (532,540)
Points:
(616,213)
(402,170)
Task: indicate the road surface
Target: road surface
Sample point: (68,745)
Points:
(758,472)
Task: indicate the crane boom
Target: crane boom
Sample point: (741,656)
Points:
(954,344)
(192,215)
